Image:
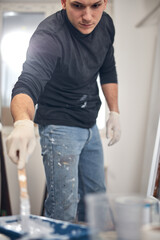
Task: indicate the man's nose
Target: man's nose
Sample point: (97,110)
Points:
(87,14)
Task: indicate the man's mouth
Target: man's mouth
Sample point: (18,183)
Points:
(86,25)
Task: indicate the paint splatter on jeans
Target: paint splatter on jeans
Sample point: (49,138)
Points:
(73,162)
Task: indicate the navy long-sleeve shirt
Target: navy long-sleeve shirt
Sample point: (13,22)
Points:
(61,69)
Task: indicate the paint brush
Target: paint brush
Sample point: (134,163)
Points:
(24,197)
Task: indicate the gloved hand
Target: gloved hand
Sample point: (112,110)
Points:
(21,142)
(113,129)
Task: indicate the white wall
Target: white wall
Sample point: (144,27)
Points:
(135,52)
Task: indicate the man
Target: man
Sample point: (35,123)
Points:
(66,53)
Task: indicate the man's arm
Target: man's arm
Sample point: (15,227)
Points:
(113,130)
(22,107)
(21,142)
(110,91)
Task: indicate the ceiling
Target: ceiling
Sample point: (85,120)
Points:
(33,1)
(152,17)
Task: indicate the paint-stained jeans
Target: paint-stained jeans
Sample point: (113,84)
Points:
(73,161)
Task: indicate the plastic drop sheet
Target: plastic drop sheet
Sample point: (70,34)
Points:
(42,228)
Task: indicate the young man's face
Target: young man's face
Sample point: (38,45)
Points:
(84,14)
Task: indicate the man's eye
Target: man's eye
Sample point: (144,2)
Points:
(77,6)
(96,5)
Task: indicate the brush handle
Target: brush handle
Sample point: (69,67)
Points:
(24,197)
(22,178)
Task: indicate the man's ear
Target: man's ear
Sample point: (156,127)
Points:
(63,4)
(105,3)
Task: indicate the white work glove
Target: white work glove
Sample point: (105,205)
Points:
(21,142)
(113,129)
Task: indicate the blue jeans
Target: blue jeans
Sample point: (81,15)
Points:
(73,162)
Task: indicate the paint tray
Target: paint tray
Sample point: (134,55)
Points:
(56,229)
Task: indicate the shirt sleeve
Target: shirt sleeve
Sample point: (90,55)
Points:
(108,73)
(42,56)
